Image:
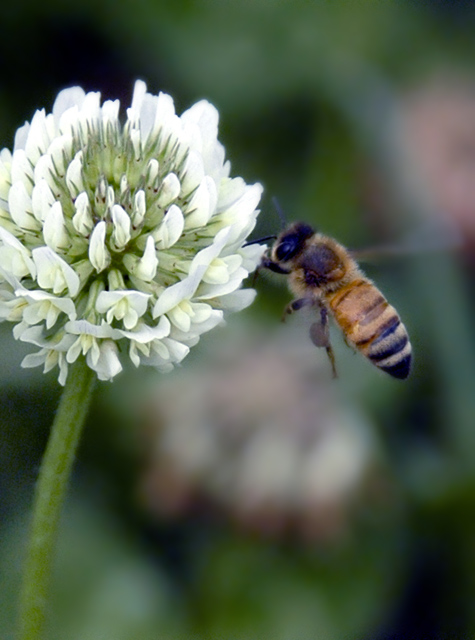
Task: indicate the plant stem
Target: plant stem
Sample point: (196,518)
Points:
(49,497)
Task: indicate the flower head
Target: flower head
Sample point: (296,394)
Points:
(121,238)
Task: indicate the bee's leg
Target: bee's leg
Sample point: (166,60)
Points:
(297,304)
(320,336)
(267,263)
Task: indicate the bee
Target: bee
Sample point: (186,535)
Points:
(323,274)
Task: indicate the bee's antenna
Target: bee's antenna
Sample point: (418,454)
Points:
(280,212)
(264,239)
(283,223)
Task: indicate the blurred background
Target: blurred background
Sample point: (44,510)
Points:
(247,494)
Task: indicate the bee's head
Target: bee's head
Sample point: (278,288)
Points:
(291,242)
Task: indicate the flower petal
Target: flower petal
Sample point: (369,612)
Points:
(98,254)
(169,190)
(108,364)
(147,265)
(54,228)
(21,207)
(121,221)
(53,272)
(202,204)
(14,256)
(171,228)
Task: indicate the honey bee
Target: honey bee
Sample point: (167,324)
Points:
(323,274)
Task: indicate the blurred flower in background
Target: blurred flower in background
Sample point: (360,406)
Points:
(438,144)
(259,432)
(121,235)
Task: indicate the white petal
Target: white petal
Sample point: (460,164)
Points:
(169,190)
(177,350)
(44,170)
(208,291)
(39,135)
(221,269)
(153,169)
(110,113)
(5,173)
(230,191)
(206,116)
(185,289)
(82,219)
(140,208)
(182,290)
(74,178)
(34,359)
(170,229)
(108,364)
(193,172)
(69,121)
(164,114)
(98,254)
(14,257)
(32,315)
(21,136)
(202,205)
(180,318)
(91,106)
(133,354)
(53,272)
(144,334)
(246,204)
(137,299)
(11,309)
(72,97)
(145,106)
(126,305)
(22,170)
(140,89)
(21,208)
(54,228)
(63,370)
(42,199)
(164,353)
(252,255)
(147,266)
(36,295)
(44,305)
(74,350)
(121,221)
(207,255)
(236,301)
(34,335)
(60,151)
(83,327)
(136,140)
(201,312)
(198,328)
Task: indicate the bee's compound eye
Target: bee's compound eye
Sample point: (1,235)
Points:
(287,248)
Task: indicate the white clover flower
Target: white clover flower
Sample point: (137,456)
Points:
(121,240)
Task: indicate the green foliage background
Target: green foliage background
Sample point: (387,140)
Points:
(302,89)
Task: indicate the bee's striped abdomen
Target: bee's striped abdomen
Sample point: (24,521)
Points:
(373,327)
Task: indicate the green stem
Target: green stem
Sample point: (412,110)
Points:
(49,497)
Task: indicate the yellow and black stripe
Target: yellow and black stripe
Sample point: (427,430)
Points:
(373,327)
